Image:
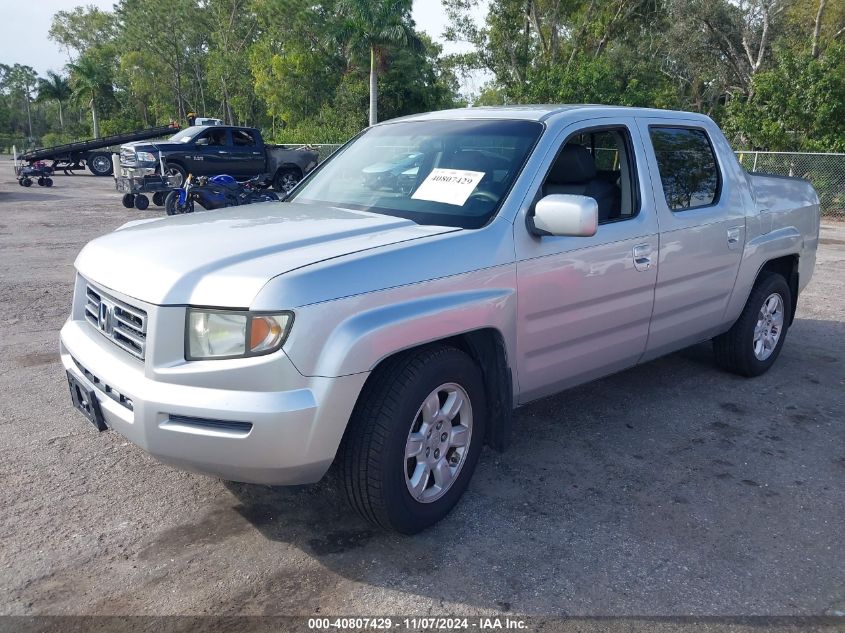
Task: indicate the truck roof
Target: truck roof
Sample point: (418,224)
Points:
(541,112)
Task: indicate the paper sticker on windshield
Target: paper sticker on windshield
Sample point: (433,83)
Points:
(450,186)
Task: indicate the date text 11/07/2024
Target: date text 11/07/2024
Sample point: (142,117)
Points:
(419,623)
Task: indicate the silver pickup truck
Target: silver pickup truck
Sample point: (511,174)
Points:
(389,320)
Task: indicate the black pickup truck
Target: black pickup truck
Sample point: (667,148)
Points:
(222,149)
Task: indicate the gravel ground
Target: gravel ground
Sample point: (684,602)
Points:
(669,489)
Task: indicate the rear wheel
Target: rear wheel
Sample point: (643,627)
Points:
(100,164)
(754,342)
(286,179)
(158,198)
(414,438)
(26,182)
(40,181)
(48,182)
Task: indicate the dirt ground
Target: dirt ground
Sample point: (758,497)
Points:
(669,489)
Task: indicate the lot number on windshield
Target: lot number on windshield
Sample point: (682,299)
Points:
(450,186)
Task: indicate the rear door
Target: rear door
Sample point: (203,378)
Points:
(700,209)
(246,153)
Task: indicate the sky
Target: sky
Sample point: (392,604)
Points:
(25,24)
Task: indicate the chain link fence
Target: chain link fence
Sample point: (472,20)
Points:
(825,171)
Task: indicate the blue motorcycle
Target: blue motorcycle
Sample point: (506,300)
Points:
(215,192)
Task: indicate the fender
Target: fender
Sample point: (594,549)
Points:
(354,334)
(360,342)
(758,251)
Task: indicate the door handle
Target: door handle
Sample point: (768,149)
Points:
(642,257)
(734,235)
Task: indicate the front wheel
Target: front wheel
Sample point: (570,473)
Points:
(172,206)
(754,342)
(178,173)
(414,438)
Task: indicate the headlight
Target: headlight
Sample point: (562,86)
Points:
(234,333)
(145,157)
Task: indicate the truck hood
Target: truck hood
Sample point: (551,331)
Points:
(223,258)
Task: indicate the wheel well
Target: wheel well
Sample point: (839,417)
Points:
(288,167)
(787,267)
(487,348)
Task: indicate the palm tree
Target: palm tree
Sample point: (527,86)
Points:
(89,82)
(377,24)
(55,88)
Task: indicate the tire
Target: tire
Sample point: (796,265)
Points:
(171,204)
(100,164)
(128,200)
(743,349)
(158,198)
(175,169)
(48,182)
(375,472)
(26,182)
(142,202)
(40,181)
(286,179)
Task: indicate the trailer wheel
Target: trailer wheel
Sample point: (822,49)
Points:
(48,182)
(100,164)
(158,198)
(40,181)
(141,202)
(26,182)
(128,200)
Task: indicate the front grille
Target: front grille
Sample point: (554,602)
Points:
(127,157)
(123,324)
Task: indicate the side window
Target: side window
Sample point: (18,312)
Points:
(215,138)
(242,138)
(598,163)
(688,168)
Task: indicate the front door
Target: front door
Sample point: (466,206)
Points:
(212,152)
(700,207)
(584,303)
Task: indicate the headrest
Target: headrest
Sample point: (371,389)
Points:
(574,164)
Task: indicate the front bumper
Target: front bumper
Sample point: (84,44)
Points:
(220,417)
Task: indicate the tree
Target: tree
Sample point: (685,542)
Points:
(21,81)
(82,28)
(55,88)
(376,25)
(90,81)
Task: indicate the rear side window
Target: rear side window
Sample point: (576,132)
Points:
(688,168)
(243,138)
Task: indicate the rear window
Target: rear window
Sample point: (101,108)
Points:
(688,169)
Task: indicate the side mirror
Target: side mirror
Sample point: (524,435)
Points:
(565,215)
(201,141)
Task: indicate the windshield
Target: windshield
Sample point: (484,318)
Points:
(186,135)
(447,173)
